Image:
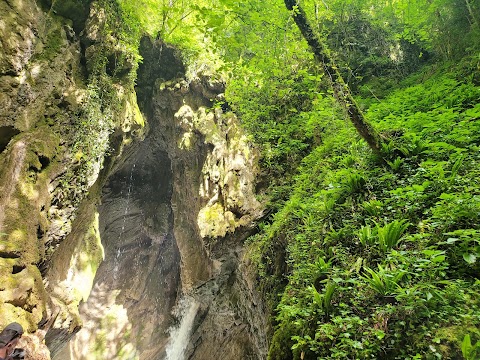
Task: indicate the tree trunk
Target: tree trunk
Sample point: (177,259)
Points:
(340,88)
(472,14)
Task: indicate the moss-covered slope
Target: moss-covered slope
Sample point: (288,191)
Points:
(379,257)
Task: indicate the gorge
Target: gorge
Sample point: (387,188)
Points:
(165,215)
(281,180)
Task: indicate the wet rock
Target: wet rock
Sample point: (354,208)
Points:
(158,243)
(43,94)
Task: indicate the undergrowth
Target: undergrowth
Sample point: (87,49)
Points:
(380,259)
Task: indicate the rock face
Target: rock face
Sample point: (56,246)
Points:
(113,244)
(173,217)
(53,141)
(39,88)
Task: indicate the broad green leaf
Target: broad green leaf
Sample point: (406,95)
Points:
(469,258)
(466,346)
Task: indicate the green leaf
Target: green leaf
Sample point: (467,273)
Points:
(380,334)
(445,196)
(439,258)
(466,346)
(469,258)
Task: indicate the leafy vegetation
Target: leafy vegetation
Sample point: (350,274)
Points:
(401,241)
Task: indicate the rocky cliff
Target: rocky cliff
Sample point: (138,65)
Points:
(107,223)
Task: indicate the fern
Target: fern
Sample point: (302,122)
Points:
(355,183)
(384,282)
(389,235)
(469,351)
(366,235)
(396,164)
(324,300)
(327,298)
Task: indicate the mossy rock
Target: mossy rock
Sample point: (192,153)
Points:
(75,10)
(450,340)
(55,41)
(215,222)
(22,295)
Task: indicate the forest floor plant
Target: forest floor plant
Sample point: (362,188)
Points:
(402,280)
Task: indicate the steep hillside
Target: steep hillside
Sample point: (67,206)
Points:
(377,256)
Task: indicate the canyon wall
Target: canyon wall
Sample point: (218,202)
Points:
(111,212)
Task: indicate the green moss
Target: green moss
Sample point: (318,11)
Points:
(22,217)
(100,343)
(449,339)
(280,347)
(215,222)
(22,296)
(54,42)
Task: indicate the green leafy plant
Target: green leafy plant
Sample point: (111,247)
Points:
(354,183)
(470,351)
(372,207)
(324,300)
(396,164)
(367,235)
(388,149)
(456,166)
(384,281)
(389,235)
(466,242)
(417,146)
(322,266)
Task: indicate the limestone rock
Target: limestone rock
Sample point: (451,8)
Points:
(44,102)
(228,172)
(193,160)
(19,23)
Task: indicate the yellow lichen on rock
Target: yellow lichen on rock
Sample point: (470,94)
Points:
(22,297)
(214,221)
(228,171)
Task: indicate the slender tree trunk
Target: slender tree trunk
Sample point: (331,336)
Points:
(472,14)
(340,88)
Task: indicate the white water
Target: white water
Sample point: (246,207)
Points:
(180,335)
(125,213)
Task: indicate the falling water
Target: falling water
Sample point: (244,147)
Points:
(129,190)
(125,213)
(180,335)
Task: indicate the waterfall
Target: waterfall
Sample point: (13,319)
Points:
(125,214)
(129,190)
(180,334)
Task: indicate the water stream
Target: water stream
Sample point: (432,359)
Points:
(180,335)
(125,214)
